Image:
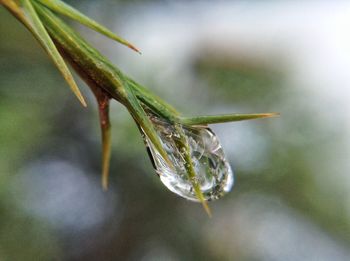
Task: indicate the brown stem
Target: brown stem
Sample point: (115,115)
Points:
(103,100)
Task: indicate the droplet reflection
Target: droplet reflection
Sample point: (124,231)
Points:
(213,173)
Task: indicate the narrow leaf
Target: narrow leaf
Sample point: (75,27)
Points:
(17,11)
(67,10)
(154,102)
(203,120)
(77,50)
(183,144)
(142,119)
(46,41)
(200,197)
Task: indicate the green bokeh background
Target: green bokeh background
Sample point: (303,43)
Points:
(287,202)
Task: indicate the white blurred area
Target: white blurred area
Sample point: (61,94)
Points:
(309,43)
(306,41)
(62,197)
(258,227)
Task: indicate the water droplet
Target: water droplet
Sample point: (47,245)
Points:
(213,173)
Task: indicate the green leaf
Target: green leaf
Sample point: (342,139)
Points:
(17,11)
(203,120)
(65,9)
(142,119)
(154,102)
(46,41)
(78,52)
(184,146)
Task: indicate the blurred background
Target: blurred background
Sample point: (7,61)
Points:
(291,199)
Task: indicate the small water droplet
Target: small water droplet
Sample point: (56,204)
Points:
(213,173)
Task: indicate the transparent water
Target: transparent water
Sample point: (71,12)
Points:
(213,173)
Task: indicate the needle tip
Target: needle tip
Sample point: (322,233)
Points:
(206,208)
(134,48)
(272,114)
(81,99)
(104,184)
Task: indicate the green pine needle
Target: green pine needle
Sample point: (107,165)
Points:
(204,120)
(62,8)
(46,41)
(184,146)
(142,119)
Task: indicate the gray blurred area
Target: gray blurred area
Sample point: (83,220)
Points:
(291,199)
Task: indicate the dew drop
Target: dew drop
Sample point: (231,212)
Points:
(213,173)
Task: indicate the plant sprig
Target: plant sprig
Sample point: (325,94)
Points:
(105,80)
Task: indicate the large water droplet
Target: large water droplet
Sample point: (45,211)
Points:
(213,173)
